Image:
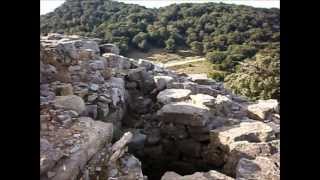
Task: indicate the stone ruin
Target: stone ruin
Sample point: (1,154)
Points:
(108,117)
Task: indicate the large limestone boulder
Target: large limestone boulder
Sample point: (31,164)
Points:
(259,168)
(173,95)
(162,82)
(116,61)
(244,149)
(184,113)
(229,143)
(79,147)
(263,109)
(203,100)
(70,102)
(211,175)
(252,131)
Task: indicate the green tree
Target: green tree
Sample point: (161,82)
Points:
(170,45)
(196,47)
(216,56)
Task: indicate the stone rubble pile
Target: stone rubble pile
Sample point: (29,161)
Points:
(175,124)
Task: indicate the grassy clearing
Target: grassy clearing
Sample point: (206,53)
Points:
(160,55)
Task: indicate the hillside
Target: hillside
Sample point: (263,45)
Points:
(224,34)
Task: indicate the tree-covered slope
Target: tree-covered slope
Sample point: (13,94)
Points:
(225,34)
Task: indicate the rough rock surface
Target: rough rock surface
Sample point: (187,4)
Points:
(244,149)
(83,140)
(184,113)
(211,175)
(173,122)
(173,95)
(263,109)
(70,102)
(246,131)
(259,168)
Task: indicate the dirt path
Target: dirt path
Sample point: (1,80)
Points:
(178,63)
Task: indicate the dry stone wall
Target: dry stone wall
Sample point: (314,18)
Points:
(90,97)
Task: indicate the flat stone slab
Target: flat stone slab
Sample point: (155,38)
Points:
(173,95)
(251,131)
(184,113)
(263,109)
(202,99)
(91,136)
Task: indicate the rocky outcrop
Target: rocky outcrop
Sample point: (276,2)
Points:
(64,151)
(263,109)
(259,168)
(187,124)
(70,102)
(173,95)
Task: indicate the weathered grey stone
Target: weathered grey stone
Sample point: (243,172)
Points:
(71,102)
(202,79)
(263,109)
(103,111)
(92,111)
(223,105)
(184,113)
(244,149)
(131,168)
(49,156)
(96,65)
(203,99)
(198,77)
(119,148)
(162,82)
(252,131)
(260,168)
(143,78)
(117,61)
(211,175)
(146,64)
(173,95)
(98,134)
